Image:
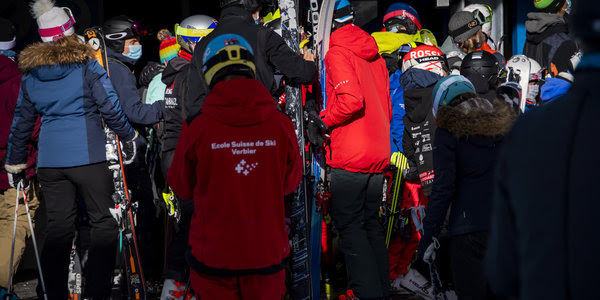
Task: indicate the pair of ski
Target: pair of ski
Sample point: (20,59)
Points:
(124,210)
(306,229)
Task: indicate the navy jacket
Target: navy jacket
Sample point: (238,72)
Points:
(466,146)
(125,84)
(64,84)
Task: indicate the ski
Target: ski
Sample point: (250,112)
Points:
(124,208)
(321,19)
(300,287)
(75,279)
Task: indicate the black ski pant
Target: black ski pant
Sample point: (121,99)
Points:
(355,200)
(466,254)
(62,188)
(177,267)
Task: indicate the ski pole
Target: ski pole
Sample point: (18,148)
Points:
(12,249)
(37,256)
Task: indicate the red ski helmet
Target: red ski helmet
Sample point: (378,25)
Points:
(425,57)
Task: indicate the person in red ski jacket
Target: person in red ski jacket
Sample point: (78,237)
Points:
(358,114)
(236,160)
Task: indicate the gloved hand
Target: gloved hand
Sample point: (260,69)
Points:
(429,255)
(315,127)
(15,179)
(149,71)
(129,149)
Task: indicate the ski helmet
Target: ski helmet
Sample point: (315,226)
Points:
(486,12)
(192,29)
(481,64)
(117,30)
(343,13)
(425,57)
(227,54)
(401,17)
(549,6)
(449,88)
(517,65)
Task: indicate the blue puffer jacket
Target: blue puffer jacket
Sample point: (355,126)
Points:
(124,83)
(398,112)
(69,89)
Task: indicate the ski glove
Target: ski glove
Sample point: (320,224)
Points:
(129,149)
(315,128)
(15,179)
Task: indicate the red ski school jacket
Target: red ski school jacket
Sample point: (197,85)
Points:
(358,103)
(237,160)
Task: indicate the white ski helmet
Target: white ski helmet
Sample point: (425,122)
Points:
(192,29)
(522,70)
(487,14)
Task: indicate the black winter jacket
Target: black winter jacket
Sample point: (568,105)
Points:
(175,77)
(545,33)
(419,127)
(270,52)
(544,240)
(467,142)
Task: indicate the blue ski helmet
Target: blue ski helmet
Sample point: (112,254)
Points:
(227,54)
(343,11)
(449,88)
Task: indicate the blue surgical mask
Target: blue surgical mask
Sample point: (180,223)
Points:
(256,21)
(135,52)
(569,5)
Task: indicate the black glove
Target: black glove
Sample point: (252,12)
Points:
(315,127)
(129,149)
(15,179)
(149,71)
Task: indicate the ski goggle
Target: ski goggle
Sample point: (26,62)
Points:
(192,34)
(540,76)
(479,16)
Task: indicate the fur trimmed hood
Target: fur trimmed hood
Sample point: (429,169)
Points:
(476,116)
(68,50)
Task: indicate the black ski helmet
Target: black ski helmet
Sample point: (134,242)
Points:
(251,5)
(117,30)
(481,63)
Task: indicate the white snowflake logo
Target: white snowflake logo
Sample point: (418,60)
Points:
(245,168)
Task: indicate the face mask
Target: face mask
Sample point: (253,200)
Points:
(533,92)
(135,52)
(568,10)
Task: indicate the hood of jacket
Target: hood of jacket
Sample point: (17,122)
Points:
(235,12)
(50,61)
(356,40)
(8,69)
(476,116)
(390,42)
(418,103)
(173,68)
(541,25)
(239,102)
(415,78)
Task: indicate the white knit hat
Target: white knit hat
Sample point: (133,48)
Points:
(53,22)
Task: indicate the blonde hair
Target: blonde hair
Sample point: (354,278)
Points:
(473,43)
